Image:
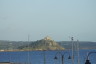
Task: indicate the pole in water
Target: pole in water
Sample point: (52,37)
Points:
(72,50)
(28,50)
(78,52)
(44,57)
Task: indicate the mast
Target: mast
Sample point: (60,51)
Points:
(44,57)
(45,51)
(72,50)
(78,52)
(28,50)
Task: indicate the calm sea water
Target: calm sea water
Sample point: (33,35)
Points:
(47,57)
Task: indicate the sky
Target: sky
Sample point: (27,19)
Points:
(59,19)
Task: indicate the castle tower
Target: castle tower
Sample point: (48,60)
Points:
(47,38)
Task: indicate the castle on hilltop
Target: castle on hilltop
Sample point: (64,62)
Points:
(47,38)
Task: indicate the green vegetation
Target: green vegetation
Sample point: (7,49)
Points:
(43,44)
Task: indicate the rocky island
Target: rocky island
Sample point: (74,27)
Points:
(44,44)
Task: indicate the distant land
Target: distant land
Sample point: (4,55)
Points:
(44,44)
(82,44)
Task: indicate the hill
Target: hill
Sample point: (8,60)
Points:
(10,45)
(82,44)
(44,44)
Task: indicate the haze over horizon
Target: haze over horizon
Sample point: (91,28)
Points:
(59,19)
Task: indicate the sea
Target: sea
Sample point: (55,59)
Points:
(48,57)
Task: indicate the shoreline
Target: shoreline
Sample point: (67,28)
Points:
(37,50)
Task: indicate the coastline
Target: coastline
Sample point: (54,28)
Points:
(16,50)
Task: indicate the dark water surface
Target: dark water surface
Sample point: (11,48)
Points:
(46,57)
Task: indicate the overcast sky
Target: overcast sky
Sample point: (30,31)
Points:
(59,19)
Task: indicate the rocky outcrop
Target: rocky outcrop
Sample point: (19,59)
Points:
(44,44)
